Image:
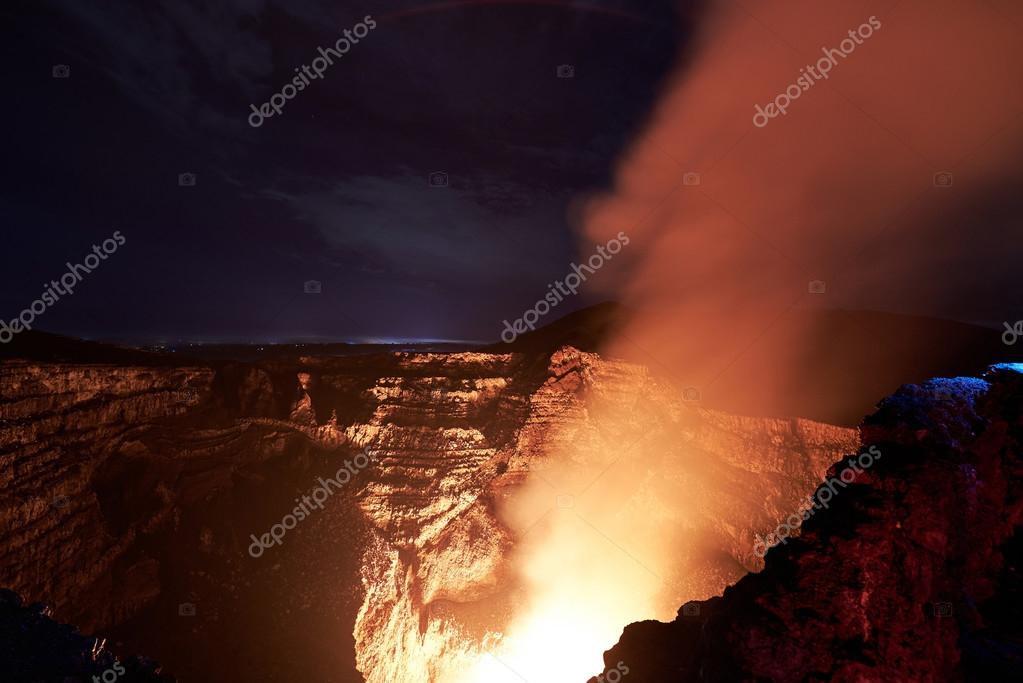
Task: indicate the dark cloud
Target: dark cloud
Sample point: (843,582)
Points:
(336,187)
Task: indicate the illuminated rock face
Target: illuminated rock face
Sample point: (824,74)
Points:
(913,574)
(438,575)
(101,462)
(58,424)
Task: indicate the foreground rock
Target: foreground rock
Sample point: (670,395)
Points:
(913,574)
(35,648)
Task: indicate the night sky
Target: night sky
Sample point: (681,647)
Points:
(337,187)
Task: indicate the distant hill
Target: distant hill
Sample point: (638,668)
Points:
(845,362)
(55,348)
(48,347)
(587,329)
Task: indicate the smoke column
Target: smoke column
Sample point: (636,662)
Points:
(841,189)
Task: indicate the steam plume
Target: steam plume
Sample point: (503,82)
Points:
(840,189)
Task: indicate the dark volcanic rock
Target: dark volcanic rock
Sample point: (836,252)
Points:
(912,574)
(36,649)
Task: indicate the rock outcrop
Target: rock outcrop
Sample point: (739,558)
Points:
(438,576)
(58,423)
(131,491)
(912,574)
(35,648)
(127,490)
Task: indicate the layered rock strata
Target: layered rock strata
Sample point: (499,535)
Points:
(126,486)
(438,576)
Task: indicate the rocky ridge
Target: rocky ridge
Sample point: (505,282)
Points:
(912,574)
(438,576)
(131,485)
